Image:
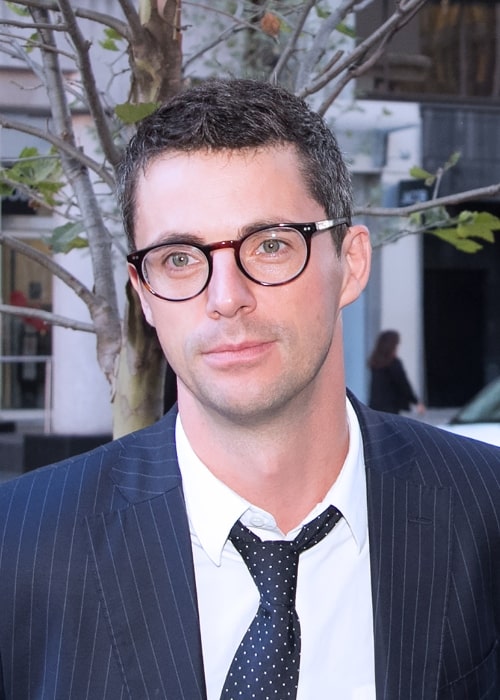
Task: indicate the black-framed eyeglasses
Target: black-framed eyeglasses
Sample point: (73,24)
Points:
(270,256)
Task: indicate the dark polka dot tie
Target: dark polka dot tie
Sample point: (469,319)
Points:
(266,664)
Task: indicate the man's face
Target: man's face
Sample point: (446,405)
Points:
(242,350)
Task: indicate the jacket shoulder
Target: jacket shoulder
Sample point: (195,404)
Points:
(90,482)
(425,452)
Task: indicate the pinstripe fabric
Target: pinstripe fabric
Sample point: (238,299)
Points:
(96,580)
(434,519)
(97,592)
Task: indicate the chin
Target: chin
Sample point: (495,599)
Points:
(249,409)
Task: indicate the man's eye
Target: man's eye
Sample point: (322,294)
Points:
(178,259)
(271,246)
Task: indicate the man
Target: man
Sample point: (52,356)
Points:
(125,572)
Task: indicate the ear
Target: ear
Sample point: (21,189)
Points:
(356,259)
(142,293)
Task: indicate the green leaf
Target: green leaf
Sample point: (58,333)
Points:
(488,219)
(111,39)
(452,160)
(41,174)
(466,245)
(479,225)
(32,42)
(29,152)
(471,231)
(436,216)
(5,189)
(67,237)
(21,11)
(131,114)
(47,190)
(109,45)
(421,174)
(111,33)
(322,12)
(346,30)
(465,216)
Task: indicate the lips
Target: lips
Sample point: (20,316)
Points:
(234,353)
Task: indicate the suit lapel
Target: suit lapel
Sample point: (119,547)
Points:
(143,562)
(410,543)
(410,549)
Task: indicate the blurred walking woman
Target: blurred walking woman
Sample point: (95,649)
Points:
(390,389)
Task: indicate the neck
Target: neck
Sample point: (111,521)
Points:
(285,465)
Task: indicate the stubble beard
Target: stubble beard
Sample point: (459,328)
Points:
(254,404)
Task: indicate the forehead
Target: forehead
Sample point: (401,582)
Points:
(203,191)
(220,163)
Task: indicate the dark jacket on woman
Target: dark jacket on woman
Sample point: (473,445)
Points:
(390,389)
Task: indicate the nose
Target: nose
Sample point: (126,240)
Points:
(229,291)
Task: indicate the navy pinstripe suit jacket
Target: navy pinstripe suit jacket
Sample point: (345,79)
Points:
(97,591)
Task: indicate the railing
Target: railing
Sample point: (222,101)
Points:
(47,400)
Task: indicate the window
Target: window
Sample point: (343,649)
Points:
(25,340)
(450,50)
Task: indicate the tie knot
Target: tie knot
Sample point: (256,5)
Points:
(273,564)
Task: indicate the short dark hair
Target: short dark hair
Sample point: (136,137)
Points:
(235,114)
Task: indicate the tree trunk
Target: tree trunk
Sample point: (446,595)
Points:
(140,379)
(139,396)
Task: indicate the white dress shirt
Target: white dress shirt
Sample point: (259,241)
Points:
(333,601)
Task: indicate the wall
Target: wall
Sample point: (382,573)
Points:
(382,143)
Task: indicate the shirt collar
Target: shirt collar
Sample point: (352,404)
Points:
(213,507)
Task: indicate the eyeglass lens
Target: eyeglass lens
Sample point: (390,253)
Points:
(270,257)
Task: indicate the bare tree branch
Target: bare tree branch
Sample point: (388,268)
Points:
(30,25)
(93,99)
(238,24)
(16,48)
(134,27)
(357,62)
(21,53)
(49,317)
(51,265)
(449,200)
(292,42)
(311,59)
(212,44)
(103,305)
(84,13)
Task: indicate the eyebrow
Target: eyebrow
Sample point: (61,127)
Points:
(175,237)
(186,238)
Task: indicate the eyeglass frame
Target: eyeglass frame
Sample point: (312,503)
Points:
(306,230)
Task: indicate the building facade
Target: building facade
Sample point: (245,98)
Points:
(435,92)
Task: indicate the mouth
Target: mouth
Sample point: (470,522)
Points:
(237,353)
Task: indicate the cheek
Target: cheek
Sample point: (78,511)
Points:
(321,297)
(172,330)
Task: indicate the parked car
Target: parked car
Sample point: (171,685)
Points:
(480,417)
